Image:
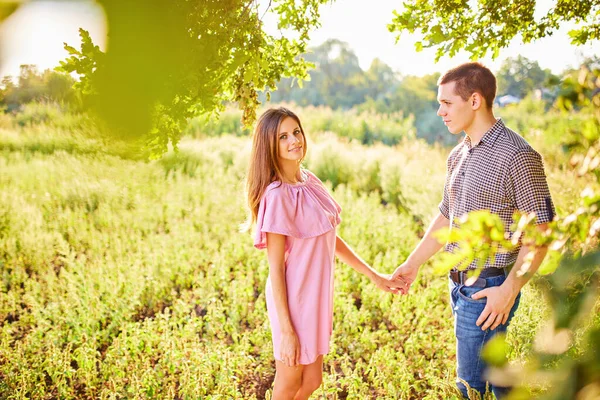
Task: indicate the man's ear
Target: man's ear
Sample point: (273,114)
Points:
(476,101)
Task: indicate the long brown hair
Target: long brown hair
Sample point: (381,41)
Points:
(264,167)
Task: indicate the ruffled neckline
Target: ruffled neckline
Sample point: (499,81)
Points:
(303,174)
(301,210)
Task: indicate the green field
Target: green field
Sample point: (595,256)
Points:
(129,279)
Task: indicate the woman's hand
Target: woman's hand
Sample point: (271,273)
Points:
(290,349)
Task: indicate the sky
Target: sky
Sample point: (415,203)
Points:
(35,33)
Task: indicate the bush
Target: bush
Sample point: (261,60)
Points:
(366,127)
(37,113)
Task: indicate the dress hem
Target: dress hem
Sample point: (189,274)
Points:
(308,363)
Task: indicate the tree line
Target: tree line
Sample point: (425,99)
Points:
(32,85)
(337,81)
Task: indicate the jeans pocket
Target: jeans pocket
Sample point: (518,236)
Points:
(465,292)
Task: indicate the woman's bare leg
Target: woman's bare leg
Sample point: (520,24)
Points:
(287,381)
(312,376)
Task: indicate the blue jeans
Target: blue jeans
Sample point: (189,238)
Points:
(470,339)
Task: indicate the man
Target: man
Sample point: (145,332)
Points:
(493,169)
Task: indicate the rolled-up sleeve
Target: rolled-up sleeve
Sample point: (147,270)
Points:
(530,187)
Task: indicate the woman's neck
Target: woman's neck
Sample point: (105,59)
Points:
(291,172)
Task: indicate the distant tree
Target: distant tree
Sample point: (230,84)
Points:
(31,85)
(380,79)
(341,74)
(59,87)
(520,76)
(337,79)
(417,96)
(35,86)
(7,93)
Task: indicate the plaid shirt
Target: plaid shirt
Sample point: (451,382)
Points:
(502,174)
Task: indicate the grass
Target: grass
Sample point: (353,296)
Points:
(129,279)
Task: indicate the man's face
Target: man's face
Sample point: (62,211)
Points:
(457,113)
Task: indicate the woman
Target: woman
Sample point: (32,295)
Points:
(296,222)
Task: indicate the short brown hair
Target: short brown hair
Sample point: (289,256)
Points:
(472,77)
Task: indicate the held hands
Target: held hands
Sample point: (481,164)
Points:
(386,283)
(500,300)
(290,349)
(383,282)
(404,276)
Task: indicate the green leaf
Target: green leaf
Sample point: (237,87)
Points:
(436,35)
(446,262)
(550,263)
(71,50)
(495,352)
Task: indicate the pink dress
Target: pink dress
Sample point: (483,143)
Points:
(307,215)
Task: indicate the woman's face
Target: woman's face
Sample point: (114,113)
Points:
(290,140)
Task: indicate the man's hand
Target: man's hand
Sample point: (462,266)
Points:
(500,300)
(407,274)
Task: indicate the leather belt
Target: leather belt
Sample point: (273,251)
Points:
(460,277)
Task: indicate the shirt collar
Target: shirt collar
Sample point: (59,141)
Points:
(489,138)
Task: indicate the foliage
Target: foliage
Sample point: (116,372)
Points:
(552,132)
(473,227)
(84,63)
(206,53)
(124,278)
(485,25)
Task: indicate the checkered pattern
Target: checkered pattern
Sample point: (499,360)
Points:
(502,174)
